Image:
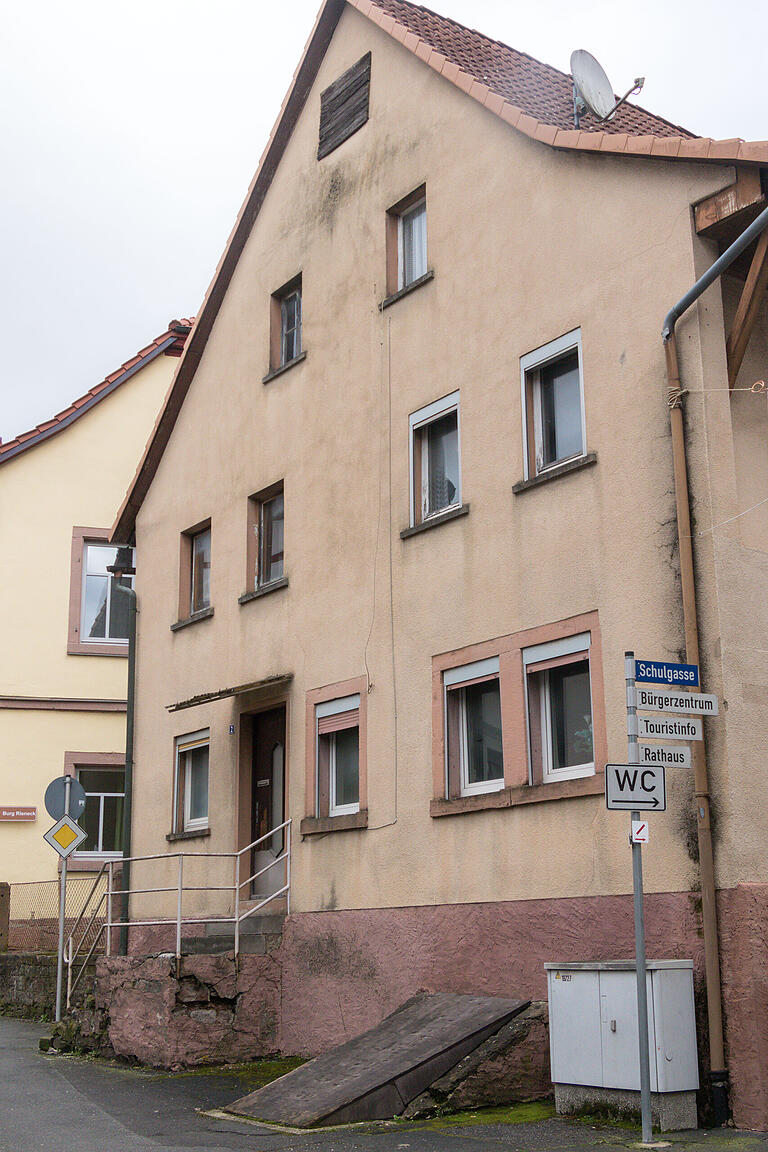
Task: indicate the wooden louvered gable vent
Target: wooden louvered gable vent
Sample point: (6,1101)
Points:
(344,106)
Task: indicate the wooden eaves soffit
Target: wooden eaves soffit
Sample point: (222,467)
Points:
(722,217)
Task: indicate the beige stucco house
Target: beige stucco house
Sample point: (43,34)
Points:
(63,658)
(410,500)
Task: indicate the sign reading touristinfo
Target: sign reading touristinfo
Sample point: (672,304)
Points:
(662,672)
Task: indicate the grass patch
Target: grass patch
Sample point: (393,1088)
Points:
(504,1114)
(252,1074)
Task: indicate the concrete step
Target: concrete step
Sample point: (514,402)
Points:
(251,944)
(270,925)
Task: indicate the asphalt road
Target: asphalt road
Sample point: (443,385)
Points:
(63,1104)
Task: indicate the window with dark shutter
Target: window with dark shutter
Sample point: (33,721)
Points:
(344,106)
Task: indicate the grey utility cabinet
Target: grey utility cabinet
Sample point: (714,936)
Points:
(593,1034)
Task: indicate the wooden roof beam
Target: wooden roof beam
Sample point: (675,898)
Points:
(748,309)
(744,193)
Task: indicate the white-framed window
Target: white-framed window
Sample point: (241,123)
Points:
(200,579)
(271,537)
(435,460)
(104,810)
(412,243)
(103,610)
(337,742)
(553,403)
(290,325)
(190,793)
(559,709)
(473,730)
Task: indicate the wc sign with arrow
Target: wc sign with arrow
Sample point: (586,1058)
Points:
(632,787)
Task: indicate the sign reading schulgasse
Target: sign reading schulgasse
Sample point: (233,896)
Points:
(662,672)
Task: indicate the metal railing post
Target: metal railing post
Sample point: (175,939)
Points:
(237,903)
(69,973)
(178,906)
(109,909)
(288,870)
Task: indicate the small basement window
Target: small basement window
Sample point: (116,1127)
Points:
(344,106)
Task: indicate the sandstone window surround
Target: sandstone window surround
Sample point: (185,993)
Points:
(336,757)
(552,387)
(102,775)
(194,575)
(98,615)
(545,677)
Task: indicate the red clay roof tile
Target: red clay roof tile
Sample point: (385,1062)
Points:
(542,92)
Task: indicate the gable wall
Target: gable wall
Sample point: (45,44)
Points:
(526,244)
(76,478)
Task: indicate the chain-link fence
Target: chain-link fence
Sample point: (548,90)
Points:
(34,913)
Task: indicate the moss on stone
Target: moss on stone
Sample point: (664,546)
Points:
(506,1114)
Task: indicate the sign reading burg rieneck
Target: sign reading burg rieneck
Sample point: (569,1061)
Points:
(662,672)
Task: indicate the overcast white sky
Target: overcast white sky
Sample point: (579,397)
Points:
(130,133)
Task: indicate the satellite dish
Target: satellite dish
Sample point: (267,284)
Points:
(592,90)
(591,84)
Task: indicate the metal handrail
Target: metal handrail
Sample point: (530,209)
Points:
(72,949)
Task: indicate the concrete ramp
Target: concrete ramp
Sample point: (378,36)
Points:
(376,1075)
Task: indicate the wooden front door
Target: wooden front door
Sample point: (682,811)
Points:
(268,799)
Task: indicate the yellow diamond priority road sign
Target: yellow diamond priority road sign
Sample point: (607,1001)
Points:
(65,836)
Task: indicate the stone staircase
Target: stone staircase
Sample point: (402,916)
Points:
(259,934)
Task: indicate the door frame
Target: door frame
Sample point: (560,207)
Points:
(244,729)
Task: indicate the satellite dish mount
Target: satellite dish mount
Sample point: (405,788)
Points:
(592,90)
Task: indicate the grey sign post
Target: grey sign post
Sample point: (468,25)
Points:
(633,758)
(64,796)
(62,906)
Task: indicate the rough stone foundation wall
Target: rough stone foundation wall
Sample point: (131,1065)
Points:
(203,1010)
(337,974)
(344,971)
(28,984)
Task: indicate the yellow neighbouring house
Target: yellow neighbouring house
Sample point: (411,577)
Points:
(63,664)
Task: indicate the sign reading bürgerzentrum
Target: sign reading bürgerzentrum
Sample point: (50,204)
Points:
(688,703)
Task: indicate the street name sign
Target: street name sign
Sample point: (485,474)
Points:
(660,754)
(630,787)
(688,703)
(65,836)
(662,672)
(669,728)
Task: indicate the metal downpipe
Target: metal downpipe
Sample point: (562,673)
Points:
(718,1074)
